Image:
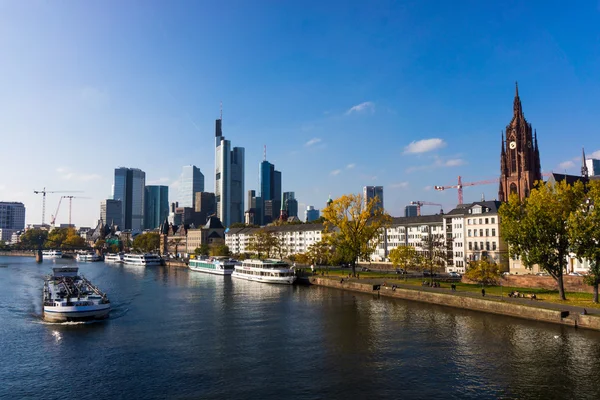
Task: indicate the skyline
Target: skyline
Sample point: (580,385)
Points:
(404,96)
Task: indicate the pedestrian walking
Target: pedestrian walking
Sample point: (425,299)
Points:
(483,292)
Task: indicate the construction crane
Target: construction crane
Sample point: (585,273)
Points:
(71,202)
(460,185)
(420,203)
(53,217)
(43,193)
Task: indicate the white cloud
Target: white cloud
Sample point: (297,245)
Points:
(350,166)
(438,162)
(566,165)
(312,141)
(595,154)
(158,181)
(399,185)
(335,172)
(367,106)
(425,145)
(455,162)
(68,175)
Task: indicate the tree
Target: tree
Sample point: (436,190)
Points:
(536,228)
(263,243)
(584,233)
(147,242)
(483,271)
(3,245)
(219,250)
(176,242)
(433,253)
(99,245)
(56,237)
(73,240)
(353,225)
(33,238)
(320,252)
(403,256)
(113,248)
(203,250)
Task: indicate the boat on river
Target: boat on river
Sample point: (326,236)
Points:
(267,271)
(113,258)
(52,254)
(88,257)
(68,296)
(215,265)
(142,259)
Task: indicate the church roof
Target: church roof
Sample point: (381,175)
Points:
(213,223)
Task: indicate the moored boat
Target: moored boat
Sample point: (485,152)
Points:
(52,254)
(68,296)
(142,259)
(215,265)
(113,258)
(88,257)
(268,271)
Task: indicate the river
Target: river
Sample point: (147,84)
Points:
(179,334)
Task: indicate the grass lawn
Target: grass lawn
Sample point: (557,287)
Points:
(573,298)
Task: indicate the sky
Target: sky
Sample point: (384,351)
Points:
(404,95)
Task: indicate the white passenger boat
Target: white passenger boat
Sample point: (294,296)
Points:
(113,258)
(217,266)
(51,254)
(88,257)
(68,296)
(268,271)
(142,259)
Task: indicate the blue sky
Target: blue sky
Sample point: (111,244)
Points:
(406,95)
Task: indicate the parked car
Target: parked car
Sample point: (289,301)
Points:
(400,271)
(454,275)
(365,269)
(426,273)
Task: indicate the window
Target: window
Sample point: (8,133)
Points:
(493,245)
(475,232)
(480,220)
(487,232)
(481,245)
(471,245)
(493,220)
(469,221)
(481,232)
(493,231)
(487,246)
(486,220)
(476,246)
(469,233)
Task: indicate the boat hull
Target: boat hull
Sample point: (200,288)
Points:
(284,280)
(82,313)
(212,271)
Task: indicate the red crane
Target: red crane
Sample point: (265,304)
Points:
(70,203)
(460,186)
(53,217)
(420,203)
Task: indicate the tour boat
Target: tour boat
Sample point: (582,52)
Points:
(217,266)
(142,259)
(113,258)
(51,253)
(268,271)
(71,297)
(88,257)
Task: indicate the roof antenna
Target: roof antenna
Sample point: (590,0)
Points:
(221,110)
(265,153)
(482,196)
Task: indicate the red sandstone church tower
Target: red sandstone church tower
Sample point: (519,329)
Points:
(520,157)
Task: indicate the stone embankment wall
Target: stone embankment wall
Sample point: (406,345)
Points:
(18,253)
(572,283)
(469,303)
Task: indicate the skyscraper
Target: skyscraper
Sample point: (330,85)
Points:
(410,211)
(12,219)
(130,188)
(229,179)
(156,208)
(593,166)
(311,214)
(111,212)
(289,204)
(370,192)
(270,191)
(192,182)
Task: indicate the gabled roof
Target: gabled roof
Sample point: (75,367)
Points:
(571,179)
(422,219)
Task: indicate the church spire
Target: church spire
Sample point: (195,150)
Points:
(584,169)
(517,102)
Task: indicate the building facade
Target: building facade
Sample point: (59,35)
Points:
(520,165)
(311,214)
(130,189)
(593,167)
(229,179)
(156,208)
(270,192)
(370,192)
(12,215)
(411,211)
(111,212)
(205,205)
(192,182)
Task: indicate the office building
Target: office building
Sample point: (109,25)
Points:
(411,210)
(229,179)
(111,212)
(12,215)
(289,204)
(192,182)
(270,191)
(311,214)
(370,192)
(205,205)
(254,214)
(156,208)
(593,167)
(130,188)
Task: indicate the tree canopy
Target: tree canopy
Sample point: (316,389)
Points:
(483,271)
(403,256)
(265,244)
(147,242)
(352,226)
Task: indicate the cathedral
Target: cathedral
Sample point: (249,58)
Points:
(520,165)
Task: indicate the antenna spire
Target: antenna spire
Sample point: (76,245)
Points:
(265,153)
(221,118)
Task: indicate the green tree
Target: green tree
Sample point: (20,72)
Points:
(176,242)
(113,248)
(56,237)
(203,250)
(263,243)
(99,245)
(219,250)
(146,242)
(320,252)
(433,253)
(403,256)
(73,240)
(353,225)
(584,233)
(483,271)
(535,229)
(33,238)
(3,245)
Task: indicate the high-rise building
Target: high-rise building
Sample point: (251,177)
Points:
(111,212)
(254,214)
(205,205)
(192,182)
(156,208)
(411,210)
(311,214)
(370,192)
(289,204)
(519,156)
(130,188)
(593,166)
(12,219)
(270,191)
(229,179)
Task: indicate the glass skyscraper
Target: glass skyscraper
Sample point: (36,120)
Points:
(370,192)
(130,188)
(156,207)
(192,182)
(270,191)
(229,179)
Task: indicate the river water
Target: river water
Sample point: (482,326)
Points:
(180,334)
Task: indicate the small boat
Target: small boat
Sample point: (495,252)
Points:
(52,254)
(268,271)
(88,257)
(68,296)
(215,265)
(113,258)
(142,259)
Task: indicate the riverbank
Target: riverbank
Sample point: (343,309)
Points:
(15,253)
(536,310)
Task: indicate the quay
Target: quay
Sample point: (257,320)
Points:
(513,307)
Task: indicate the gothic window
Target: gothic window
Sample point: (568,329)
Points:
(513,160)
(513,188)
